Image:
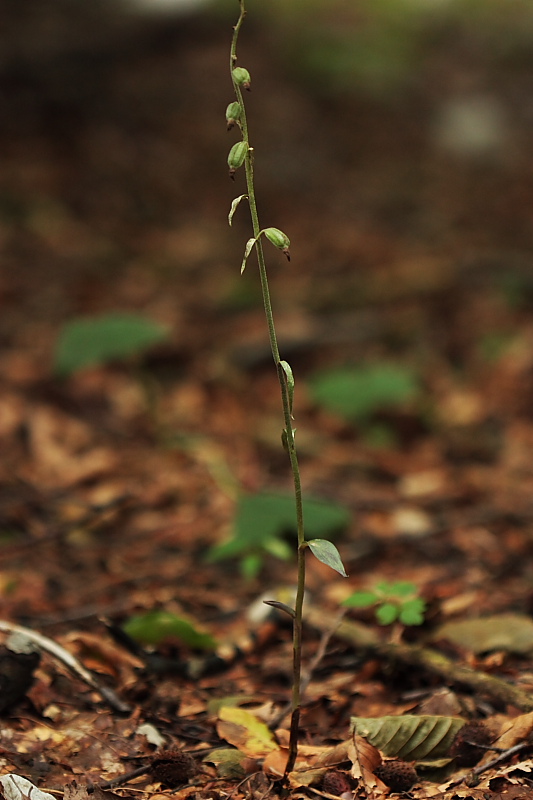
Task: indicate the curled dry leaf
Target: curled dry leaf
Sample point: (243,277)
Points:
(517,731)
(365,760)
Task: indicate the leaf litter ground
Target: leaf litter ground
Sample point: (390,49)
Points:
(111,495)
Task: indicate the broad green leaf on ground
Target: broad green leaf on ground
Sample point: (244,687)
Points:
(90,341)
(245,731)
(512,633)
(409,737)
(358,392)
(262,519)
(327,553)
(156,626)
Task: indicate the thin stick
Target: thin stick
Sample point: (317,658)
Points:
(55,650)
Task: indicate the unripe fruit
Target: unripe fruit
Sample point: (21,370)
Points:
(236,157)
(241,76)
(279,240)
(233,114)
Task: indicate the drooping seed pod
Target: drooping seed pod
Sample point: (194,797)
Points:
(279,240)
(233,114)
(236,157)
(241,76)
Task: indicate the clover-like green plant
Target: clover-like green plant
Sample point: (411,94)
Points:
(393,602)
(241,155)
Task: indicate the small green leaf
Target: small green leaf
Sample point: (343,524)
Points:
(234,206)
(387,613)
(402,589)
(327,553)
(290,381)
(251,565)
(157,625)
(412,611)
(265,516)
(357,393)
(247,250)
(90,341)
(361,600)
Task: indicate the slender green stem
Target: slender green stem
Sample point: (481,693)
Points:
(289,431)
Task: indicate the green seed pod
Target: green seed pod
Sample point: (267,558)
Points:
(233,114)
(236,157)
(279,240)
(241,77)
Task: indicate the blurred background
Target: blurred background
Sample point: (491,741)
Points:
(393,145)
(393,142)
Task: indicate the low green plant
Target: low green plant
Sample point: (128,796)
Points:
(358,392)
(262,521)
(241,156)
(99,340)
(393,602)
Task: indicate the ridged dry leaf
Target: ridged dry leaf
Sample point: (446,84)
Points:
(409,737)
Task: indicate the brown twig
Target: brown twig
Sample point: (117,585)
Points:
(55,650)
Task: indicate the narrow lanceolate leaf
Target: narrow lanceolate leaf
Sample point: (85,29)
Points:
(247,250)
(410,737)
(327,553)
(290,381)
(234,206)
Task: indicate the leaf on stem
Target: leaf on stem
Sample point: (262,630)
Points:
(247,250)
(327,553)
(290,382)
(234,206)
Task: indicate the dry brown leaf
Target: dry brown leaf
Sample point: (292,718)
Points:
(516,731)
(365,759)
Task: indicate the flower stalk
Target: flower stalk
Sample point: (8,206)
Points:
(242,154)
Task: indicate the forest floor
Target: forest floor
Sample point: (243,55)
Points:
(109,501)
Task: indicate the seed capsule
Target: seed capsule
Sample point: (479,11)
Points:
(236,157)
(233,114)
(279,240)
(241,76)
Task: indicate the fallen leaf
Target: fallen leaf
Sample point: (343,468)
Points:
(243,730)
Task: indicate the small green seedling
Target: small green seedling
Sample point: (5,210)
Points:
(394,602)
